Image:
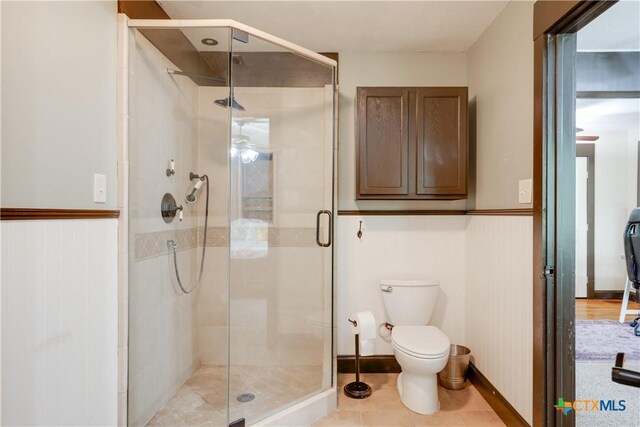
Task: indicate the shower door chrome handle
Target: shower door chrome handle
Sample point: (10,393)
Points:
(328,213)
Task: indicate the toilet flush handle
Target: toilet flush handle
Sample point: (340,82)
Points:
(387,289)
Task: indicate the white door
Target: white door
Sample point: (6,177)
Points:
(582,227)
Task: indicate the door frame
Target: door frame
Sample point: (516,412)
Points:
(589,151)
(553,303)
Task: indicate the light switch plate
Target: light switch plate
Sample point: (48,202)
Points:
(99,188)
(524,190)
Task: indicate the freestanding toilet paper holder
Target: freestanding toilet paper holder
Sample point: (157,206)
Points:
(357,389)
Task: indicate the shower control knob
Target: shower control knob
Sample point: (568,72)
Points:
(169,208)
(171,170)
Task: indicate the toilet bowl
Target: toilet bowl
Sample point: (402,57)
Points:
(421,350)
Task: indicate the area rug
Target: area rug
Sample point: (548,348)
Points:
(603,339)
(593,382)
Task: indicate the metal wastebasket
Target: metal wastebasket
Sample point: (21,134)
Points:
(454,374)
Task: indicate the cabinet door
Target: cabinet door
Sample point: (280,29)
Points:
(441,141)
(383,141)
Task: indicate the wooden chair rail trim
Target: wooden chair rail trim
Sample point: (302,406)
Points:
(484,212)
(29,214)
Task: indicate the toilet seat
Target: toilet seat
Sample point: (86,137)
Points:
(422,342)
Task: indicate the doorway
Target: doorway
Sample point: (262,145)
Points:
(606,192)
(585,189)
(561,224)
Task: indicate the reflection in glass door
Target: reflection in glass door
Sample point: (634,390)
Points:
(281,203)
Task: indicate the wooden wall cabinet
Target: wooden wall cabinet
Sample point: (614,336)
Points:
(412,143)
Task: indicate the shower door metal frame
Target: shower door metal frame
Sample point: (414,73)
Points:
(177,24)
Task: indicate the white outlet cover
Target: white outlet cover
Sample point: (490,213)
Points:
(99,188)
(524,190)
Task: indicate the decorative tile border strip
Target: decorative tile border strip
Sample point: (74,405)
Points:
(151,245)
(217,237)
(292,237)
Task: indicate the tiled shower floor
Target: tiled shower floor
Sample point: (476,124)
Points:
(202,399)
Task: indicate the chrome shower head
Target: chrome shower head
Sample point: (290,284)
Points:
(224,103)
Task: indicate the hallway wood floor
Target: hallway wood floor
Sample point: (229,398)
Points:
(601,309)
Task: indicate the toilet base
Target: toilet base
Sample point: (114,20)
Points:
(419,392)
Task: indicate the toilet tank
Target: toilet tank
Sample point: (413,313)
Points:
(409,302)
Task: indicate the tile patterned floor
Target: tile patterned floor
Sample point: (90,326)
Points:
(202,400)
(458,408)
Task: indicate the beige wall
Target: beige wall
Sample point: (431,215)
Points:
(58,103)
(499,275)
(387,69)
(616,166)
(498,69)
(501,95)
(499,72)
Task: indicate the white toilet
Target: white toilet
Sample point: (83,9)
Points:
(421,350)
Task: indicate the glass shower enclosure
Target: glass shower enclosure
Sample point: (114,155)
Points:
(230,221)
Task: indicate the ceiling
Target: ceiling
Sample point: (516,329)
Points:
(617,29)
(594,115)
(355,26)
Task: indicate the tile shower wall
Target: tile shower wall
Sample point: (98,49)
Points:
(499,328)
(285,322)
(213,159)
(59,322)
(163,344)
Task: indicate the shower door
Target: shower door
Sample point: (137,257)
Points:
(281,157)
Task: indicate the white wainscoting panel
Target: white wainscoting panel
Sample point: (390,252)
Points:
(59,322)
(499,324)
(399,247)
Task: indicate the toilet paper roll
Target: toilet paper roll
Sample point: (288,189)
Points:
(366,327)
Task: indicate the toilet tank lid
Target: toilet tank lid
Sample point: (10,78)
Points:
(408,282)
